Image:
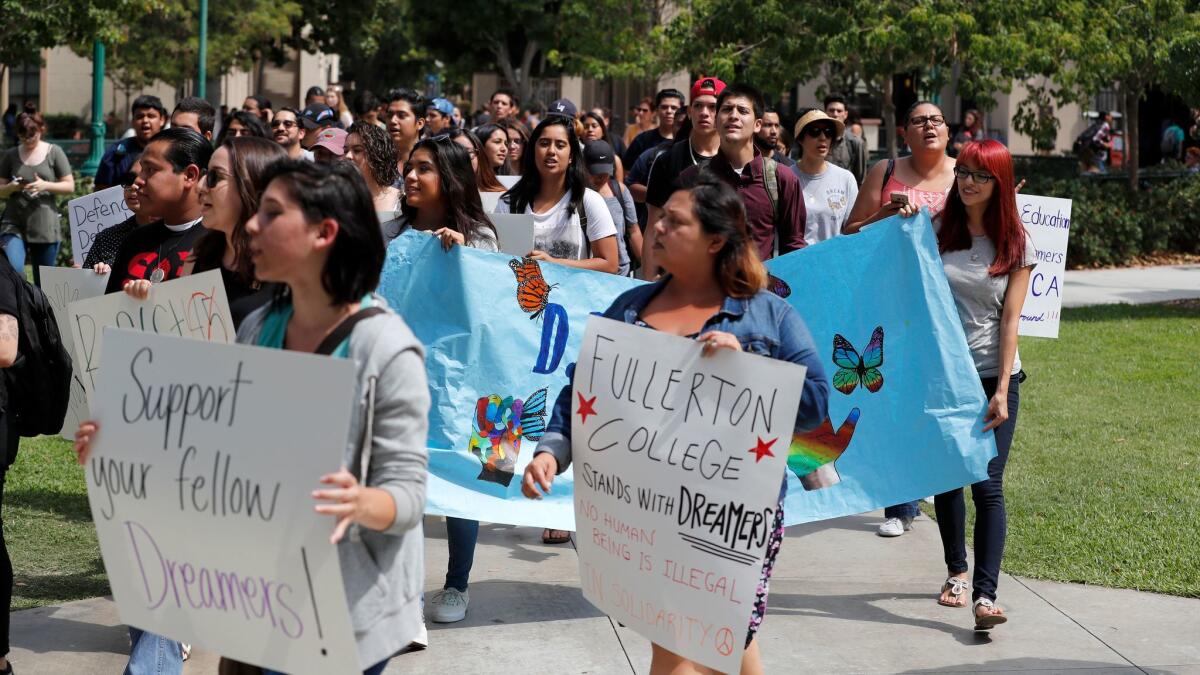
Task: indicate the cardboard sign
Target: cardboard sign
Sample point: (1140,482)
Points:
(192,306)
(515,231)
(1048,221)
(62,286)
(489,200)
(678,462)
(200,484)
(508,181)
(90,214)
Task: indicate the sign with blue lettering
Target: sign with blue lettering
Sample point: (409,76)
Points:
(1048,221)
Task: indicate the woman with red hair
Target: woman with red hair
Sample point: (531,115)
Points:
(988,258)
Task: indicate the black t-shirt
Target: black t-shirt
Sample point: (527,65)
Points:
(152,247)
(8,288)
(666,170)
(641,143)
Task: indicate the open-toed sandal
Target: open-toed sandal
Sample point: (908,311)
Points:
(994,617)
(957,586)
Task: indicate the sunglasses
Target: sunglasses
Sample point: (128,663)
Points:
(980,177)
(817,131)
(286,124)
(921,120)
(214,177)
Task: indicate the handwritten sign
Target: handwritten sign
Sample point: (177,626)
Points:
(62,286)
(90,214)
(192,306)
(1048,221)
(515,232)
(489,200)
(678,463)
(200,486)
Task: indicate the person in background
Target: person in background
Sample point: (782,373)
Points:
(372,151)
(829,190)
(502,104)
(366,108)
(518,141)
(286,130)
(313,96)
(314,118)
(456,118)
(971,130)
(615,140)
(259,106)
(108,241)
(333,99)
(330,145)
(591,127)
(600,159)
(32,175)
(405,118)
(1171,143)
(643,120)
(494,139)
(196,114)
(854,125)
(10,124)
(988,258)
(770,135)
(1191,159)
(149,116)
(850,151)
(668,103)
(1102,142)
(241,123)
(715,293)
(485,178)
(439,116)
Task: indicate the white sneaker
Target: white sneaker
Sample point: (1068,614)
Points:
(894,527)
(448,605)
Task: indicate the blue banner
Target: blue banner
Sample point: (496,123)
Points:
(499,332)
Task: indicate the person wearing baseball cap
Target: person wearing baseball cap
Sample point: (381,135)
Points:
(829,190)
(600,161)
(562,107)
(330,145)
(314,118)
(439,117)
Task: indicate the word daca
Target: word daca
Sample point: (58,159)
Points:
(176,402)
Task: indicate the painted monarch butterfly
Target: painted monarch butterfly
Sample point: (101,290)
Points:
(533,293)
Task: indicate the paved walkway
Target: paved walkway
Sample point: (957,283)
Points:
(1131,284)
(842,601)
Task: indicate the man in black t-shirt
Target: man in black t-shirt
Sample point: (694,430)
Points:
(9,337)
(172,167)
(701,145)
(669,103)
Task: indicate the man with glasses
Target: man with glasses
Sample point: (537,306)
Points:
(285,129)
(849,151)
(404,114)
(668,103)
(149,116)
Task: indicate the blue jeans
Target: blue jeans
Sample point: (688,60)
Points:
(376,669)
(461,536)
(906,510)
(38,254)
(152,654)
(991,520)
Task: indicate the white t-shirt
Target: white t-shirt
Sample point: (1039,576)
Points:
(828,199)
(560,236)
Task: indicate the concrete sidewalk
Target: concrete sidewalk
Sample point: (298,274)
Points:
(1134,285)
(842,601)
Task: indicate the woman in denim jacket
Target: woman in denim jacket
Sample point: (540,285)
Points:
(713,292)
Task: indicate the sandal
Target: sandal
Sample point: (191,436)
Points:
(957,586)
(555,536)
(993,618)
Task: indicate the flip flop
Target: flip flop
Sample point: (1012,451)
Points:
(987,621)
(548,538)
(958,588)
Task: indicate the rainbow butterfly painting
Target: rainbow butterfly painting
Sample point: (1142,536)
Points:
(854,369)
(778,286)
(533,293)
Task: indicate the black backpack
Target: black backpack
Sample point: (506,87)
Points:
(39,382)
(1084,140)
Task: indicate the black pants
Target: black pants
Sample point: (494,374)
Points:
(8,449)
(991,521)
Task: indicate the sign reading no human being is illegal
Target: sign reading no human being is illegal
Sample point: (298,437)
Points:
(678,463)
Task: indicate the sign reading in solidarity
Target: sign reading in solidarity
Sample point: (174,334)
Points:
(90,214)
(62,286)
(1048,221)
(193,306)
(200,484)
(678,462)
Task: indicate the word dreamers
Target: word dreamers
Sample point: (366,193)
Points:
(736,525)
(177,402)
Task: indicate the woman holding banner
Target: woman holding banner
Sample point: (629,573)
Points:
(714,291)
(316,234)
(988,258)
(440,197)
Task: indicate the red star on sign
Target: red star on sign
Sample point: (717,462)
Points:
(586,407)
(762,449)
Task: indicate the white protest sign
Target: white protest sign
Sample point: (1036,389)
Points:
(515,232)
(678,462)
(192,306)
(508,181)
(90,214)
(62,286)
(1048,221)
(200,483)
(489,200)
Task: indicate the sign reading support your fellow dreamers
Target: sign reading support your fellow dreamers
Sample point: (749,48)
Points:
(62,286)
(200,485)
(90,214)
(1048,221)
(678,463)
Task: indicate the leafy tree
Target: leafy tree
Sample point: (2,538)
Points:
(27,27)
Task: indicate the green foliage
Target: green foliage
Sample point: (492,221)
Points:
(63,125)
(26,27)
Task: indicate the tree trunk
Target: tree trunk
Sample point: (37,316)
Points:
(1132,141)
(889,115)
(520,79)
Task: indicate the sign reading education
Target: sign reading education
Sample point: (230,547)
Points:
(1048,221)
(678,462)
(90,214)
(193,306)
(62,286)
(200,486)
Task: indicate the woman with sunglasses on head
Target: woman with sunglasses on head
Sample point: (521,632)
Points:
(988,258)
(494,140)
(32,174)
(590,127)
(108,241)
(374,153)
(643,120)
(518,142)
(440,197)
(829,190)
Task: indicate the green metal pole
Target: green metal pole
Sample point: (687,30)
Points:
(93,161)
(202,84)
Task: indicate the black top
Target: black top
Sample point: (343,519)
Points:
(108,242)
(641,143)
(149,248)
(8,305)
(666,170)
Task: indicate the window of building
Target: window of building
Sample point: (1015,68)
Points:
(25,84)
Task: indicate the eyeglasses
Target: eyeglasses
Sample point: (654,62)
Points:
(286,124)
(214,178)
(920,120)
(516,142)
(980,177)
(128,179)
(819,130)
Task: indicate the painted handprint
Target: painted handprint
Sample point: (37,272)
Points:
(813,455)
(497,428)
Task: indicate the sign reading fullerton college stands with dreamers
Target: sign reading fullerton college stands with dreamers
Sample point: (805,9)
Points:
(678,462)
(1048,221)
(200,483)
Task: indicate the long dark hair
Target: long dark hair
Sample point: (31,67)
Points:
(526,190)
(252,122)
(720,211)
(482,133)
(522,131)
(460,197)
(249,157)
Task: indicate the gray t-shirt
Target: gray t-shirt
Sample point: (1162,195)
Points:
(621,217)
(979,298)
(828,198)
